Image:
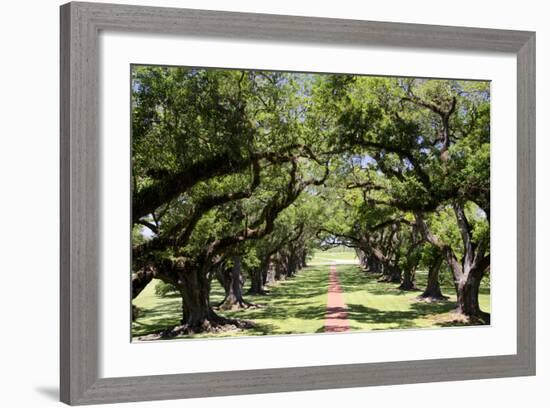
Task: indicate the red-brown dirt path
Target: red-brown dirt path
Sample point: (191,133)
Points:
(336,319)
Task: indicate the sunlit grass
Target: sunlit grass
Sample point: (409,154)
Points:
(330,256)
(298,305)
(293,306)
(374,305)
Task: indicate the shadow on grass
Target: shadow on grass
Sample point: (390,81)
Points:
(355,279)
(152,320)
(425,308)
(369,315)
(298,305)
(457,323)
(289,297)
(262,329)
(403,318)
(142,329)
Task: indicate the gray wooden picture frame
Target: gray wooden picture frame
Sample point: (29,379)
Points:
(80,233)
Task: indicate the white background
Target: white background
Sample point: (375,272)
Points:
(120,358)
(29,205)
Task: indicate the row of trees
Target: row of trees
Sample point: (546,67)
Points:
(220,160)
(243,173)
(417,184)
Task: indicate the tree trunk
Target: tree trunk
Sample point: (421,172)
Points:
(433,290)
(373,265)
(407,282)
(303,259)
(256,285)
(197,314)
(467,278)
(268,274)
(233,283)
(362,257)
(390,273)
(281,267)
(292,264)
(468,272)
(257,280)
(193,282)
(409,270)
(467,291)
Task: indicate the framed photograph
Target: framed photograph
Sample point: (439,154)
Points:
(234,185)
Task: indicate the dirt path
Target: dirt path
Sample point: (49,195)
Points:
(336,319)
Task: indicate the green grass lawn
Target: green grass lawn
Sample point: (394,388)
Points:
(336,255)
(293,306)
(373,305)
(298,305)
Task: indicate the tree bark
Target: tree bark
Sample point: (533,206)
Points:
(193,283)
(409,270)
(373,265)
(408,281)
(197,313)
(390,273)
(257,279)
(280,266)
(469,271)
(292,264)
(256,284)
(468,297)
(362,257)
(233,284)
(433,290)
(303,259)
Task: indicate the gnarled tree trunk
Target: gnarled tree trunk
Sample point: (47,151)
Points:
(433,290)
(373,265)
(194,287)
(407,283)
(256,282)
(469,271)
(390,273)
(409,270)
(468,296)
(362,257)
(292,264)
(258,277)
(233,283)
(280,266)
(192,280)
(303,259)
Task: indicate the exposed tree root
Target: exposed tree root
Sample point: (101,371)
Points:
(218,325)
(481,318)
(261,292)
(409,288)
(428,298)
(389,279)
(457,318)
(233,304)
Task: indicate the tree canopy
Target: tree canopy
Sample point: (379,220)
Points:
(240,172)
